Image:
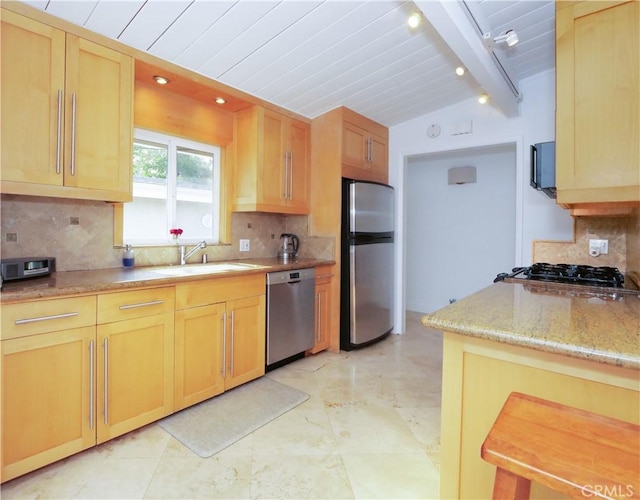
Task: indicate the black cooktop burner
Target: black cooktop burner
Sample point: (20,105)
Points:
(576,274)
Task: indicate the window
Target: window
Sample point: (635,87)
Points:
(176,184)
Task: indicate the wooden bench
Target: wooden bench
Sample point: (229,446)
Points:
(574,452)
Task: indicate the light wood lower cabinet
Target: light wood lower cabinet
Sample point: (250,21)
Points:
(245,340)
(479,375)
(80,371)
(135,347)
(47,406)
(323,309)
(199,347)
(220,336)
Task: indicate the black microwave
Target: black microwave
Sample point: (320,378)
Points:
(543,168)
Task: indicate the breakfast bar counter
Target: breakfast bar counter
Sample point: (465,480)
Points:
(559,319)
(563,344)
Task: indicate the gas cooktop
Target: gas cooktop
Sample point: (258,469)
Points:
(570,274)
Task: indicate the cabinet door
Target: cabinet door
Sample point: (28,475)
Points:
(598,102)
(323,309)
(47,398)
(99,117)
(32,96)
(354,145)
(199,364)
(378,152)
(135,373)
(272,173)
(298,147)
(245,340)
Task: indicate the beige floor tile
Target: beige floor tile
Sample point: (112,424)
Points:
(392,476)
(299,477)
(215,477)
(371,429)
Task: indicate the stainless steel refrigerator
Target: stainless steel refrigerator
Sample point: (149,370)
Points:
(366,286)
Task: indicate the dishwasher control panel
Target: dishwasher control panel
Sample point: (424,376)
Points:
(290,276)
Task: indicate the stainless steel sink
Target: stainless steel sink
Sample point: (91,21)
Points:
(199,269)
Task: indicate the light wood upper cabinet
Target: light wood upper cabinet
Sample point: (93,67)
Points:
(364,149)
(272,162)
(598,102)
(70,105)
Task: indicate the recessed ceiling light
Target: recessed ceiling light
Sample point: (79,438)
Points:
(483,98)
(414,20)
(161,80)
(220,100)
(460,70)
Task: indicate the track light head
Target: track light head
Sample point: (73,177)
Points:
(507,39)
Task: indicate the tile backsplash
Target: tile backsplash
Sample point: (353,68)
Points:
(621,232)
(79,234)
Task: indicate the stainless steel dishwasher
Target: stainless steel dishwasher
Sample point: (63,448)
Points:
(290,315)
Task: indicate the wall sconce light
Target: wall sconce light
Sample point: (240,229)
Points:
(161,80)
(484,97)
(414,20)
(507,39)
(462,175)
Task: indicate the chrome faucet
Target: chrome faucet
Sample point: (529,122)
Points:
(184,255)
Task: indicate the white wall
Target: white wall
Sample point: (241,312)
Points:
(537,217)
(458,237)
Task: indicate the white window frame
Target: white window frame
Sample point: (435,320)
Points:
(173,143)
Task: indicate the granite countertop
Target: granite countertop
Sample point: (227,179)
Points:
(571,324)
(66,283)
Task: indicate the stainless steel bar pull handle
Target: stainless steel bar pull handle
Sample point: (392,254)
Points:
(91,382)
(59,134)
(232,342)
(106,381)
(141,304)
(291,175)
(319,326)
(224,345)
(73,134)
(285,179)
(45,318)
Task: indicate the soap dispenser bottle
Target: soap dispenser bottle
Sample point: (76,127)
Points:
(128,257)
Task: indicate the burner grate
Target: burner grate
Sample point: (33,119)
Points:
(576,274)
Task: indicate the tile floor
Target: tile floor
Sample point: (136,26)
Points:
(370,429)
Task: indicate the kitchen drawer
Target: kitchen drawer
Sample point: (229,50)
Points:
(324,274)
(200,293)
(41,316)
(134,304)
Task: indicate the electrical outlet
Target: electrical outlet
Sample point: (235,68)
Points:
(245,245)
(598,247)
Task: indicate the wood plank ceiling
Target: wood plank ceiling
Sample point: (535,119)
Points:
(311,56)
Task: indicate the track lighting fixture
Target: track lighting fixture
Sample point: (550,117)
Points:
(506,39)
(414,20)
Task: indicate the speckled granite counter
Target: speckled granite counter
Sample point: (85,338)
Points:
(101,280)
(591,328)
